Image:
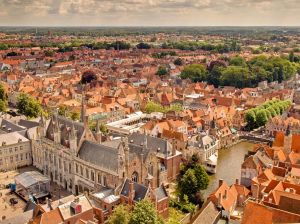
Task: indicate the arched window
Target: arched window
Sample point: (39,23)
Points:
(135,176)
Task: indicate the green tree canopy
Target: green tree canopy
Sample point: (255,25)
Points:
(2,106)
(178,61)
(193,179)
(162,70)
(144,212)
(3,94)
(236,76)
(28,106)
(238,61)
(195,72)
(143,45)
(120,215)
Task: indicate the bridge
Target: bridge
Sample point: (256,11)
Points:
(256,138)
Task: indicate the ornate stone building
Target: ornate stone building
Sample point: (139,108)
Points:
(74,157)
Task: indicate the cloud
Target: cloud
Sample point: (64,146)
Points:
(148,12)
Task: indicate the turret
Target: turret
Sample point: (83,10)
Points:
(126,154)
(56,129)
(73,139)
(42,127)
(98,134)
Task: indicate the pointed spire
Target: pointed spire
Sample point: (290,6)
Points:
(73,131)
(83,107)
(42,120)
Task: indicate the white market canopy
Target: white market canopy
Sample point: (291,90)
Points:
(31,178)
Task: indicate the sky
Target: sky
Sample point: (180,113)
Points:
(149,12)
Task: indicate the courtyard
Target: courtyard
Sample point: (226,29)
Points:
(11,204)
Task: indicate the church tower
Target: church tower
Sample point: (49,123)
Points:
(98,134)
(83,108)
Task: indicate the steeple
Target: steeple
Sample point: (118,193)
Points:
(98,134)
(42,126)
(73,139)
(83,107)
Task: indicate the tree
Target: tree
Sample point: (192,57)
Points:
(2,106)
(272,111)
(3,95)
(153,107)
(195,72)
(236,76)
(174,216)
(143,46)
(291,56)
(119,45)
(49,53)
(63,110)
(261,117)
(88,76)
(178,61)
(28,106)
(250,118)
(144,212)
(238,61)
(202,177)
(9,54)
(188,184)
(162,71)
(75,116)
(120,215)
(214,75)
(193,180)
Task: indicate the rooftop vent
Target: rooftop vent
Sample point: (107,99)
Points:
(75,207)
(3,143)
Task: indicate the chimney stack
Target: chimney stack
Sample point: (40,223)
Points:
(131,192)
(173,147)
(219,200)
(237,181)
(220,182)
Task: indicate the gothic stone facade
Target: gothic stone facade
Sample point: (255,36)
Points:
(74,157)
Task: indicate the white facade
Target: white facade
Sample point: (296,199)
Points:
(15,151)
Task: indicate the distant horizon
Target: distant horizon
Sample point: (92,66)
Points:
(141,26)
(150,13)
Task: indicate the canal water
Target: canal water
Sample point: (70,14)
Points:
(229,165)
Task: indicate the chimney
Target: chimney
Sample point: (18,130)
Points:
(237,181)
(219,200)
(173,147)
(49,203)
(256,191)
(225,194)
(131,192)
(220,182)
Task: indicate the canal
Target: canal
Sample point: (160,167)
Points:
(229,165)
